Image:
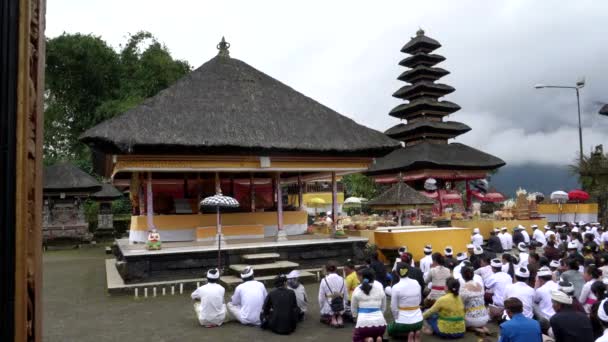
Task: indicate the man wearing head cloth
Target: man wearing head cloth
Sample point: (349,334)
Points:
(494,242)
(543,306)
(518,236)
(248,299)
(523,254)
(520,289)
(294,285)
(209,306)
(507,240)
(538,236)
(460,259)
(477,238)
(449,261)
(568,324)
(495,287)
(427,260)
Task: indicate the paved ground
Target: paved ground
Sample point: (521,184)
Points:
(77,308)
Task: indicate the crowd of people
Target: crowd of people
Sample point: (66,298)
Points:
(551,285)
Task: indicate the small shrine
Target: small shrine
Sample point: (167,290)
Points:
(65,189)
(105,218)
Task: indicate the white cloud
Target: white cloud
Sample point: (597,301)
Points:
(345,53)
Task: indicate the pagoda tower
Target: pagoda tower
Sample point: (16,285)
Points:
(427,152)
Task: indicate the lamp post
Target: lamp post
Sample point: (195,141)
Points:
(579,84)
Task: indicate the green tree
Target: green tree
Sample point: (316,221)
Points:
(88,82)
(592,172)
(359,185)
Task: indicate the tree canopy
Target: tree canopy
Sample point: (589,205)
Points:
(87,82)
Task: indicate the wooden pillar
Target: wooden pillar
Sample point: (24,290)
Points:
(300,192)
(140,189)
(185,185)
(279,201)
(399,214)
(281,234)
(334,202)
(252,191)
(199,188)
(218,185)
(468,194)
(150,200)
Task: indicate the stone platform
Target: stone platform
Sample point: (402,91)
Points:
(190,260)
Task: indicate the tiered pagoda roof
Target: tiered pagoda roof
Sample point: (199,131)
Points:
(426,134)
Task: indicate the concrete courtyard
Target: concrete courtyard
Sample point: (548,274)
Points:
(77,308)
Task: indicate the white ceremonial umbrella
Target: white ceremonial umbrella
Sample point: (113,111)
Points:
(219,201)
(559,197)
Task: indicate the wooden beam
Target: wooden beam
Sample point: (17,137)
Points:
(279,201)
(300,192)
(334,203)
(252,191)
(150,203)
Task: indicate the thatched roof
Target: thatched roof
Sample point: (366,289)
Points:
(227,106)
(448,127)
(107,192)
(65,177)
(430,106)
(421,58)
(422,72)
(435,156)
(399,195)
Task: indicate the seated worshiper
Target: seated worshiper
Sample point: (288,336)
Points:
(521,290)
(332,296)
(554,266)
(352,281)
(568,289)
(209,306)
(368,305)
(524,232)
(485,269)
(599,291)
(449,260)
(518,328)
(405,306)
(495,287)
(543,306)
(378,267)
(460,258)
(427,259)
(248,299)
(280,311)
(507,240)
(475,257)
(437,277)
(293,283)
(472,294)
(446,317)
(518,236)
(523,254)
(477,238)
(567,324)
(494,242)
(587,298)
(572,275)
(602,315)
(538,237)
(402,250)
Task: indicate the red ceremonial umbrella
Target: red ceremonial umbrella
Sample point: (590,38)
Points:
(578,195)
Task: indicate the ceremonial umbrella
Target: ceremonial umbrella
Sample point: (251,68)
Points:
(316,202)
(559,197)
(219,201)
(578,195)
(353,202)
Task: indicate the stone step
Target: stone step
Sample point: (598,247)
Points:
(259,258)
(275,267)
(231,282)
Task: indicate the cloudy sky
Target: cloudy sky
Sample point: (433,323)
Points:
(344,54)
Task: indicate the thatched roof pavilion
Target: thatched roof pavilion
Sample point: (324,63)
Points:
(400,196)
(107,193)
(228,127)
(65,177)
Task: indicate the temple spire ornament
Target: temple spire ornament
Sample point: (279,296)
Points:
(223,47)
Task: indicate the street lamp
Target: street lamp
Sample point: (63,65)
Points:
(579,84)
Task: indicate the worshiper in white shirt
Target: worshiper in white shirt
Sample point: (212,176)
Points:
(523,254)
(521,290)
(294,284)
(209,306)
(495,286)
(368,304)
(538,237)
(554,266)
(587,298)
(485,271)
(524,232)
(460,258)
(476,277)
(543,308)
(507,240)
(604,238)
(427,260)
(548,232)
(332,286)
(400,251)
(477,238)
(405,306)
(248,299)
